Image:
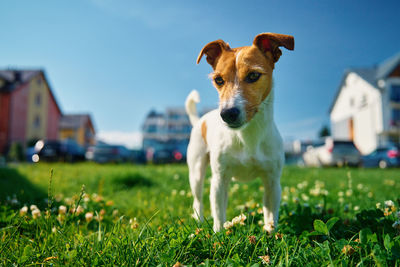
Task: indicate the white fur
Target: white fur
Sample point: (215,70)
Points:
(190,106)
(254,150)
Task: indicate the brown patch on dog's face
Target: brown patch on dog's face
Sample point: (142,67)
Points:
(243,76)
(243,79)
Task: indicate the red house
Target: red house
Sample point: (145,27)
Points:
(28,108)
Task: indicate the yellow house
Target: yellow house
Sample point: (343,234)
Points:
(78,127)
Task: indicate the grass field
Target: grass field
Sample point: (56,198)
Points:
(89,214)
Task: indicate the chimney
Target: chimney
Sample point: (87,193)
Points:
(17,76)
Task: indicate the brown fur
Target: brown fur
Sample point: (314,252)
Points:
(204,131)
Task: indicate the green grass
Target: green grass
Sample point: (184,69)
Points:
(141,216)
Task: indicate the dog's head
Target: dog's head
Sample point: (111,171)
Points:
(243,76)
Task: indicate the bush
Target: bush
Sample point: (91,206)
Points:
(16,152)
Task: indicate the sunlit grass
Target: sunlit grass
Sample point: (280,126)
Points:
(127,215)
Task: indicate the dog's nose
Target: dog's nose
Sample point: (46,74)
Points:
(230,115)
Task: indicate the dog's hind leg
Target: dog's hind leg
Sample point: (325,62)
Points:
(197,163)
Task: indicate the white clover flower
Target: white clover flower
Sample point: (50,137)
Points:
(235,188)
(228,225)
(79,210)
(315,191)
(236,220)
(302,185)
(378,205)
(192,236)
(356,208)
(89,216)
(349,192)
(389,203)
(62,209)
(242,218)
(33,207)
(23,211)
(370,194)
(36,213)
(115,213)
(340,194)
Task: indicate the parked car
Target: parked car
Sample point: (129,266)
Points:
(332,153)
(54,150)
(138,156)
(104,153)
(168,156)
(383,157)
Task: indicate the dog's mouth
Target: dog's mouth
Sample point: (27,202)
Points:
(234,125)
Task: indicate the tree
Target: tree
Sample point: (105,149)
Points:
(325,131)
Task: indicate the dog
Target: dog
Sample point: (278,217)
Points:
(239,139)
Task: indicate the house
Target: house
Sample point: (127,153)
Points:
(166,131)
(78,127)
(28,109)
(366,108)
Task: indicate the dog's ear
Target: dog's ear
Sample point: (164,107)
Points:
(213,50)
(270,42)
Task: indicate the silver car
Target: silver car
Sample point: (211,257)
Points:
(332,153)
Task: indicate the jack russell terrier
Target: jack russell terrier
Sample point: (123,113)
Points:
(240,138)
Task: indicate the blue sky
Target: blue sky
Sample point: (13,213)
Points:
(117,59)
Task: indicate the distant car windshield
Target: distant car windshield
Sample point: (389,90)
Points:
(342,146)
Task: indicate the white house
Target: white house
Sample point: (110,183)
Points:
(366,108)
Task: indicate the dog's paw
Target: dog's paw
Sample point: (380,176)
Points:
(269,228)
(197,217)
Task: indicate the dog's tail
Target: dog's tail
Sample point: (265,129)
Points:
(190,105)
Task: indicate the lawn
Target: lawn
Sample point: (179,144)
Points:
(90,214)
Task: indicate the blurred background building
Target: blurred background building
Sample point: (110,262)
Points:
(30,112)
(166,135)
(28,108)
(366,109)
(78,127)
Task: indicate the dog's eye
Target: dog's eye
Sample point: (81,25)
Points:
(252,77)
(219,81)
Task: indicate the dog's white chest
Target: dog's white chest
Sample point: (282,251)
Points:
(246,164)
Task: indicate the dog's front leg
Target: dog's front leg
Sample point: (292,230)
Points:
(271,202)
(219,200)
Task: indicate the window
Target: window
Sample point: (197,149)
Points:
(395,93)
(395,117)
(38,99)
(36,122)
(352,102)
(363,101)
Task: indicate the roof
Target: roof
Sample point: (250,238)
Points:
(15,78)
(75,121)
(371,75)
